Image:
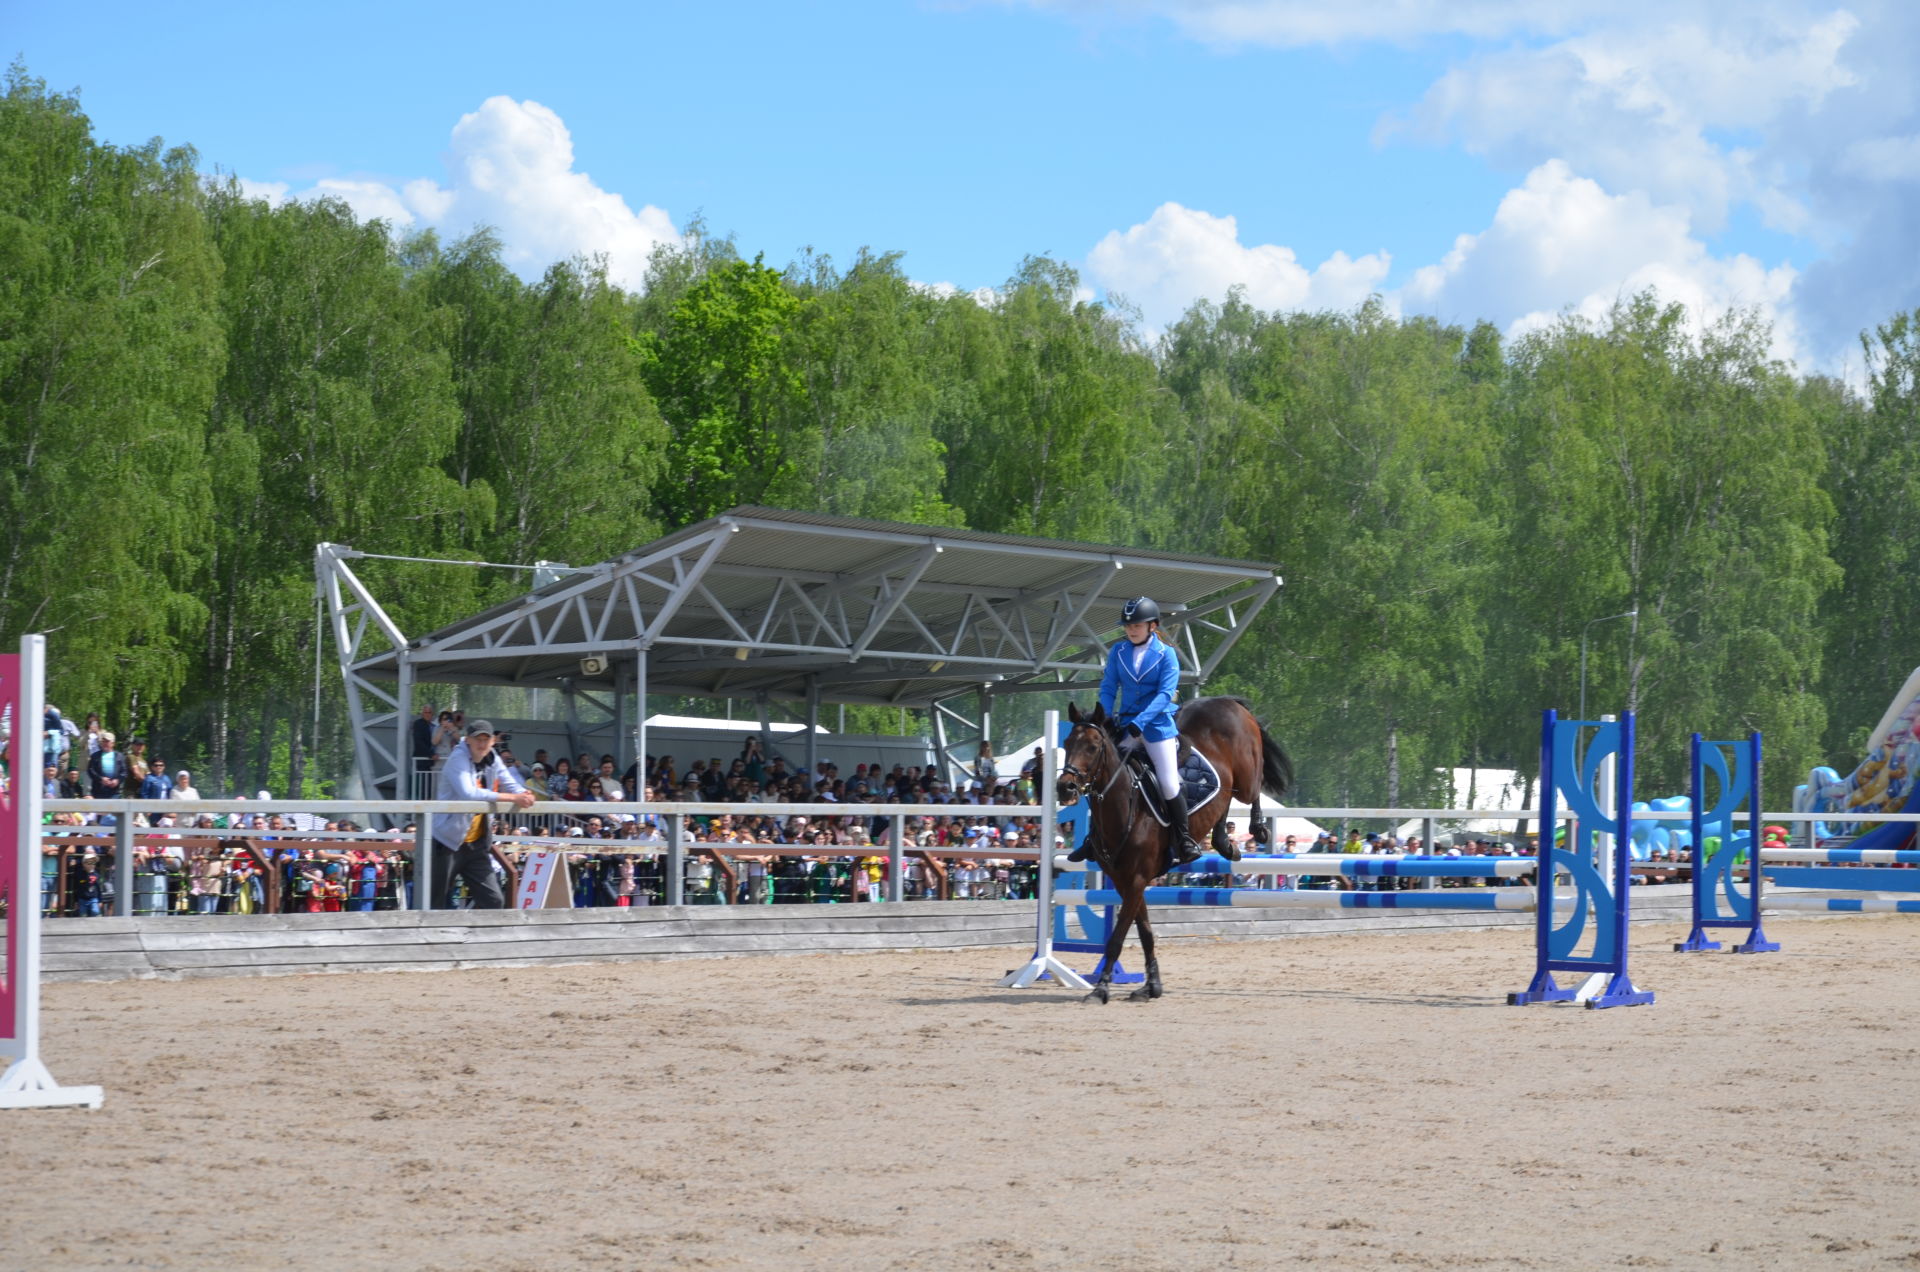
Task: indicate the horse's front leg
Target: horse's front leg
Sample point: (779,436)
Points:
(1151,989)
(1133,905)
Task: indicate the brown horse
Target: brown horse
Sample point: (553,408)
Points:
(1129,842)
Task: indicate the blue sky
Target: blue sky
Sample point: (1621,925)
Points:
(1469,159)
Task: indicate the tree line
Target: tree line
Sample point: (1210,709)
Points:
(197,387)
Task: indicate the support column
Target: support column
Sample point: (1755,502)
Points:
(423,861)
(640,721)
(986,727)
(122,866)
(676,859)
(621,738)
(403,738)
(897,859)
(813,725)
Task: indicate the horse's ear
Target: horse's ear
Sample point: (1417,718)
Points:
(1099,715)
(1073,712)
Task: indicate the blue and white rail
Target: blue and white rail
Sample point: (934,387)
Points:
(1355,866)
(1517,899)
(1840,856)
(1841,905)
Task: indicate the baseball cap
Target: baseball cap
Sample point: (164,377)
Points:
(479,726)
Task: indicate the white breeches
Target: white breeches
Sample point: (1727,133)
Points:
(1166,765)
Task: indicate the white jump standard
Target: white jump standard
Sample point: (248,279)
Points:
(26,1083)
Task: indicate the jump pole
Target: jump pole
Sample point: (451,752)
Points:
(26,1084)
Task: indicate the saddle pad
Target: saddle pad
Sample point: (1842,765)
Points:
(1199,781)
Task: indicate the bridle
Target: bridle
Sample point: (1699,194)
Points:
(1072,777)
(1111,757)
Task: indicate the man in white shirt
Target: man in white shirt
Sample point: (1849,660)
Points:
(465,840)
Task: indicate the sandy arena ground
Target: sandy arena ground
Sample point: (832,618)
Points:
(1342,1101)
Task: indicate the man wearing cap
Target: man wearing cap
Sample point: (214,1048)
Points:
(465,840)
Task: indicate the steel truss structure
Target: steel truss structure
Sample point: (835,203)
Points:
(799,608)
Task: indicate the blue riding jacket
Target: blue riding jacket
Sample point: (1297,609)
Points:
(1142,696)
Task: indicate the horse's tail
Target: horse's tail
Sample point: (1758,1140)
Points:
(1276,767)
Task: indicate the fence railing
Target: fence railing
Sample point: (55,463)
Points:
(151,870)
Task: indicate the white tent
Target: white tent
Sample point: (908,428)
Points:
(1479,788)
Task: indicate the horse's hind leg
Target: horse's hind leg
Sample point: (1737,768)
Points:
(1151,989)
(1262,833)
(1116,941)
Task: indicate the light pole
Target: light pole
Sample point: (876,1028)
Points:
(1632,613)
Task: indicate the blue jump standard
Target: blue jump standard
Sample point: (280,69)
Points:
(1565,773)
(1735,767)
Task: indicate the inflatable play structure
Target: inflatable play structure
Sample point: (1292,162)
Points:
(1883,783)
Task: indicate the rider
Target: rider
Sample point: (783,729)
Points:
(1138,689)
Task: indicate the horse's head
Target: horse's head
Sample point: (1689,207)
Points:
(1090,756)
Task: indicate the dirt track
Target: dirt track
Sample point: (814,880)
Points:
(1354,1101)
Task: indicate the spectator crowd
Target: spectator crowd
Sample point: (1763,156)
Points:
(834,850)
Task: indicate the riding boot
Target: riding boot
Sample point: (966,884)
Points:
(1184,849)
(1085,851)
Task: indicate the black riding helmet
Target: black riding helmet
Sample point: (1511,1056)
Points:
(1140,609)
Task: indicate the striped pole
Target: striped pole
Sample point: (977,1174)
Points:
(1380,867)
(1844,905)
(1514,899)
(1856,856)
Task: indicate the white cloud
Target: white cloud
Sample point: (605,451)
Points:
(370,200)
(1883,159)
(985,297)
(274,193)
(1643,106)
(1297,23)
(1179,255)
(1805,113)
(1560,242)
(511,166)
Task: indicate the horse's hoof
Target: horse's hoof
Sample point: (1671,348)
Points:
(1144,994)
(1099,995)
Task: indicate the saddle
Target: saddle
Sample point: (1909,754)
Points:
(1199,780)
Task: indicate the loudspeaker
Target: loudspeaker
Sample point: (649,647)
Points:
(593,665)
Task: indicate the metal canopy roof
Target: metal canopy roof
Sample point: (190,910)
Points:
(764,604)
(802,606)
